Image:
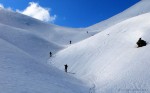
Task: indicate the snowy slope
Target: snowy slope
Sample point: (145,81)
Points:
(20,73)
(107,62)
(111,60)
(49,32)
(140,8)
(28,42)
(24,51)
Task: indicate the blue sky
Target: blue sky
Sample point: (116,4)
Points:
(72,13)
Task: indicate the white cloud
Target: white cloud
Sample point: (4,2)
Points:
(8,8)
(1,6)
(36,11)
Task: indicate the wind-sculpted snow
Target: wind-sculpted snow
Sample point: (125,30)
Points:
(111,60)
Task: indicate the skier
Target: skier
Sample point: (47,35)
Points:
(50,54)
(70,41)
(87,32)
(66,66)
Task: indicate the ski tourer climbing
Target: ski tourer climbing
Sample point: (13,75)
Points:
(50,54)
(66,67)
(70,42)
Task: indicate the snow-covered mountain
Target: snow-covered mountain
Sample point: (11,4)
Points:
(104,60)
(46,31)
(140,8)
(111,59)
(25,44)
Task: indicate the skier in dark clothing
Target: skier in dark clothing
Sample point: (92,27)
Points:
(141,43)
(50,54)
(70,42)
(66,66)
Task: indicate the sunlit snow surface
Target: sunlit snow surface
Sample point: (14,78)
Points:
(104,60)
(110,60)
(24,51)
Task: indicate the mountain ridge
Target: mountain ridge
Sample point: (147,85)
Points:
(139,8)
(104,60)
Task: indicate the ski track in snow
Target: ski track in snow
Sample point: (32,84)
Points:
(104,60)
(112,63)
